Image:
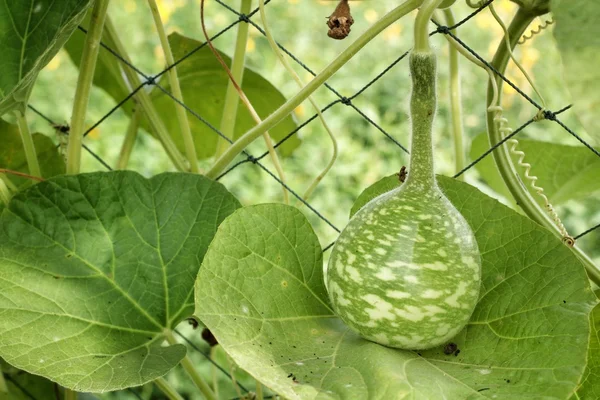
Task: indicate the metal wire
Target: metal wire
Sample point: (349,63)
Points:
(249,159)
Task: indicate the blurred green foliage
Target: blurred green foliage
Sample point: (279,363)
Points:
(366,155)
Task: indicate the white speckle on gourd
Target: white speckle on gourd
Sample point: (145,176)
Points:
(397,294)
(381,251)
(424,217)
(432,294)
(411,279)
(354,274)
(381,309)
(461,291)
(385,274)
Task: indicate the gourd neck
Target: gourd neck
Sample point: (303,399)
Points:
(422,113)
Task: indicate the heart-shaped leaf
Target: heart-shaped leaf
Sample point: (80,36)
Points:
(260,290)
(13,157)
(578,36)
(95,267)
(565,172)
(31,33)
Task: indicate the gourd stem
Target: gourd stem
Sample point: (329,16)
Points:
(506,167)
(232,99)
(28,145)
(184,123)
(455,100)
(422,22)
(167,389)
(422,112)
(239,145)
(87,67)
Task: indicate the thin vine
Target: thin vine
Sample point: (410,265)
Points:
(285,63)
(246,101)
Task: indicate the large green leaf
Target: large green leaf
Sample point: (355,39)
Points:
(578,36)
(31,33)
(204,83)
(590,384)
(565,172)
(13,157)
(95,267)
(260,290)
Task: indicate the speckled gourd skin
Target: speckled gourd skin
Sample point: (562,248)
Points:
(406,270)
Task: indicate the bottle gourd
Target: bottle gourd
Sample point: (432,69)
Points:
(406,270)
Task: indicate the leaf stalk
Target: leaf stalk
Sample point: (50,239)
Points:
(28,146)
(184,123)
(84,85)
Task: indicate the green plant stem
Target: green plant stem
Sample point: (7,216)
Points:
(5,194)
(3,387)
(456,101)
(422,23)
(188,366)
(28,146)
(502,156)
(215,381)
(283,111)
(232,100)
(84,85)
(259,391)
(129,141)
(184,123)
(284,62)
(167,389)
(144,101)
(70,394)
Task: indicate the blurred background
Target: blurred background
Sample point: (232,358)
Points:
(365,154)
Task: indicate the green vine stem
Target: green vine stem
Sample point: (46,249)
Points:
(239,145)
(5,194)
(232,100)
(70,394)
(215,380)
(286,65)
(84,85)
(456,101)
(3,387)
(28,146)
(130,138)
(506,167)
(167,389)
(188,366)
(144,101)
(184,123)
(259,391)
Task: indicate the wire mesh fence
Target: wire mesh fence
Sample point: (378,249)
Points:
(250,159)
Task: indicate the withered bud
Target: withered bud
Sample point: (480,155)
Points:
(340,21)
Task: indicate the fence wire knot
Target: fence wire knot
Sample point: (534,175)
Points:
(252,159)
(244,18)
(345,100)
(443,29)
(151,80)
